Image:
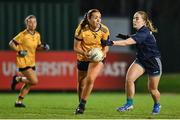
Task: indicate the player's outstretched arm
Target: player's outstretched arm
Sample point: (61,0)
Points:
(126,42)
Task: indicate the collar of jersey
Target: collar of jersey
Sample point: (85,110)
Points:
(95,30)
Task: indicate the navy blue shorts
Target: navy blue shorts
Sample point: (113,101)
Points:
(23,69)
(83,65)
(152,66)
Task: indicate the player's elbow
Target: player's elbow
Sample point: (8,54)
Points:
(74,48)
(13,42)
(10,43)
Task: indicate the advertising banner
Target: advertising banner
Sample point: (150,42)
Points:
(58,71)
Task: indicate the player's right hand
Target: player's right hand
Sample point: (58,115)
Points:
(22,53)
(87,55)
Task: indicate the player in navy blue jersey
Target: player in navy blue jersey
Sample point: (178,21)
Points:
(147,59)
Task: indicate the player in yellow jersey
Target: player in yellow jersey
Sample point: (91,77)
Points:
(88,35)
(25,44)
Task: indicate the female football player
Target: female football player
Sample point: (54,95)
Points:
(147,60)
(88,35)
(25,44)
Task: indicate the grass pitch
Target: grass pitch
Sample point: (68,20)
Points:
(101,105)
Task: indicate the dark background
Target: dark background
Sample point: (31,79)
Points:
(57,20)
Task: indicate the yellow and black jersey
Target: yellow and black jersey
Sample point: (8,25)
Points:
(90,39)
(29,42)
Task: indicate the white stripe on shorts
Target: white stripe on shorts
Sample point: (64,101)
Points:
(159,64)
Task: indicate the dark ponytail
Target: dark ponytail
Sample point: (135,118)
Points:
(87,16)
(84,22)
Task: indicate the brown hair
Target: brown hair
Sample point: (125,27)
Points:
(148,22)
(29,17)
(87,16)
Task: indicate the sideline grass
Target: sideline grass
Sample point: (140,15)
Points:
(99,106)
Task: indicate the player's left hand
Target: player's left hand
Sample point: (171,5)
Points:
(46,46)
(122,36)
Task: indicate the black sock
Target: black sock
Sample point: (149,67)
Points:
(82,103)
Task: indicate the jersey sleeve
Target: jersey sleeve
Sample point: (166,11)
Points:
(78,34)
(139,37)
(18,38)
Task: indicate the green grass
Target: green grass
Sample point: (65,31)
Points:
(101,105)
(169,83)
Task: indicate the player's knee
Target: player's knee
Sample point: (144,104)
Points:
(153,91)
(34,82)
(90,80)
(129,80)
(81,86)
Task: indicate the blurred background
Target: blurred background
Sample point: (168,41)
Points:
(58,19)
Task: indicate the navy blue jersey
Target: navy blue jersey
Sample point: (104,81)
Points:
(145,44)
